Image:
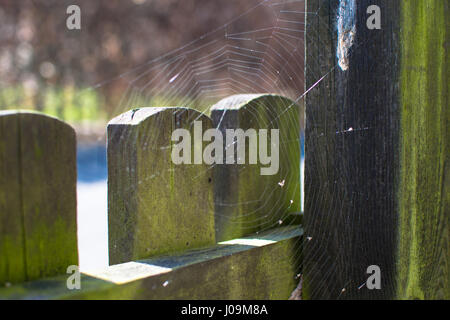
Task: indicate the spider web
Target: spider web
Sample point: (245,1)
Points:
(228,60)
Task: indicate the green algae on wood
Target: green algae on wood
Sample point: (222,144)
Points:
(37,196)
(256,267)
(379,193)
(12,260)
(235,271)
(155,206)
(424,195)
(245,200)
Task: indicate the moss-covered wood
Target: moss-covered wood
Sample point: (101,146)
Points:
(154,205)
(424,184)
(246,201)
(261,266)
(376,180)
(38,229)
(12,247)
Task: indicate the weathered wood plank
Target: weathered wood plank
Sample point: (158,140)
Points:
(38,214)
(256,267)
(246,200)
(376,180)
(154,205)
(424,183)
(12,247)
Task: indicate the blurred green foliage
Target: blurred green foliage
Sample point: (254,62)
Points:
(78,105)
(67,103)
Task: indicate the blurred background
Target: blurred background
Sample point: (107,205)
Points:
(47,67)
(132,53)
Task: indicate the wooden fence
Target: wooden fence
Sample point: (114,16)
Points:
(376,181)
(166,225)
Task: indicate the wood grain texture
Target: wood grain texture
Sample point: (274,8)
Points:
(12,246)
(376,171)
(38,188)
(265,269)
(155,206)
(245,200)
(424,191)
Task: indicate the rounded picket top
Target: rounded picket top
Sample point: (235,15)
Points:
(38,225)
(157,205)
(249,196)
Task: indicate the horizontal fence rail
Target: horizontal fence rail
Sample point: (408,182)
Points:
(238,269)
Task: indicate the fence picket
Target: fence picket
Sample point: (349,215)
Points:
(245,200)
(155,206)
(37,196)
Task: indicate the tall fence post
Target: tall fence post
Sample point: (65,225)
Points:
(377,158)
(154,205)
(259,196)
(38,226)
